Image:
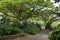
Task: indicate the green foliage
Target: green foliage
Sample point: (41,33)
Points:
(16,27)
(32,28)
(16,11)
(9,30)
(55,34)
(22,11)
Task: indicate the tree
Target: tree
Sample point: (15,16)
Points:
(23,10)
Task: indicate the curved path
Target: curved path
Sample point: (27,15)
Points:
(42,36)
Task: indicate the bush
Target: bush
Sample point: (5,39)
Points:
(38,25)
(34,25)
(29,24)
(32,30)
(55,34)
(9,30)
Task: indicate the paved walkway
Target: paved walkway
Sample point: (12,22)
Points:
(42,36)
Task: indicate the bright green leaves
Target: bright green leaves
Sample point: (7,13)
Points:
(18,1)
(24,9)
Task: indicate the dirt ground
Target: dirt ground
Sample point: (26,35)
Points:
(41,36)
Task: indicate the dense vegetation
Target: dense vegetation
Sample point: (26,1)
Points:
(16,13)
(55,33)
(28,16)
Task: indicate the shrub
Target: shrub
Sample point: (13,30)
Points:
(34,25)
(32,30)
(9,30)
(29,24)
(38,25)
(55,34)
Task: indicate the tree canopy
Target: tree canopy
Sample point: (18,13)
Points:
(22,10)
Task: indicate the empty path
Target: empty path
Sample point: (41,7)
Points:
(42,36)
